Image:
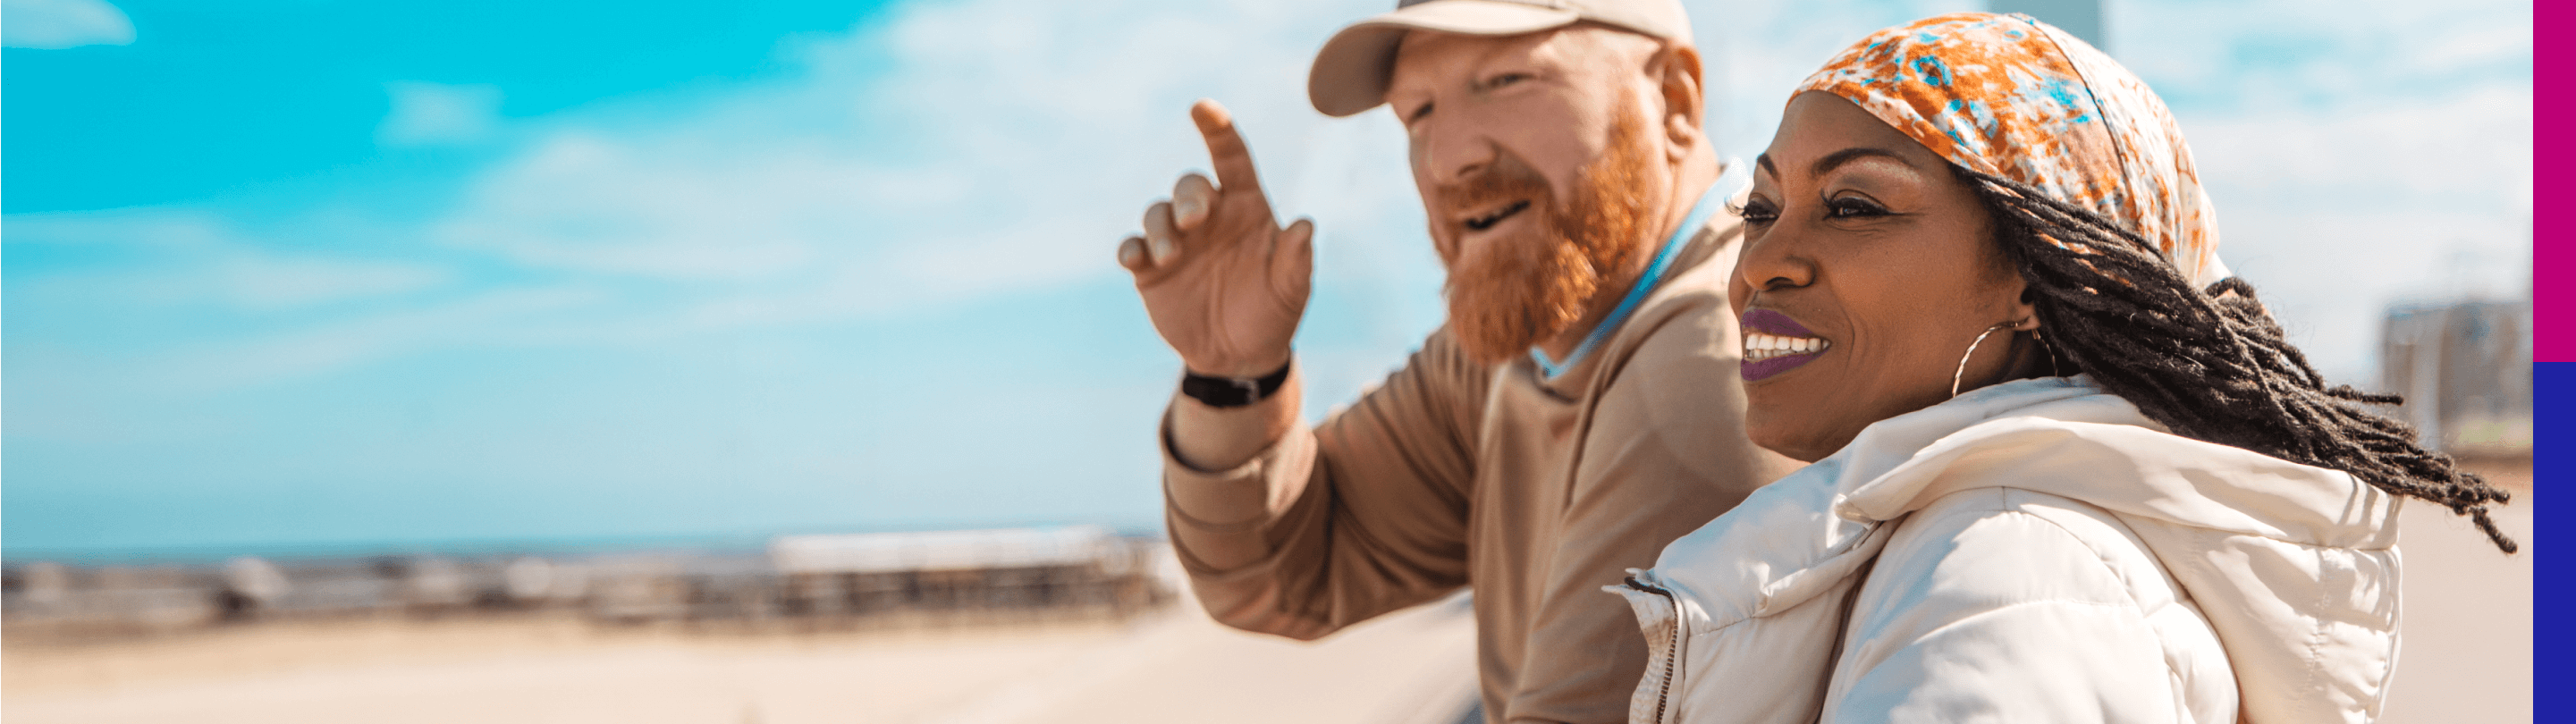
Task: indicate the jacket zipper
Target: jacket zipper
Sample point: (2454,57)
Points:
(1673,654)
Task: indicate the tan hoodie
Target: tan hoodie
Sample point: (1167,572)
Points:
(1536,491)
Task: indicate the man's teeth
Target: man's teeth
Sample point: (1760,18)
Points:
(1759,346)
(1487,221)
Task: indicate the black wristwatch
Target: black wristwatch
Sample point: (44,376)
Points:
(1233,391)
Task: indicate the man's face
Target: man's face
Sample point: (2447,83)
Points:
(1543,167)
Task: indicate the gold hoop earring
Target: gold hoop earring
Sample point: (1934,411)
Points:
(1972,352)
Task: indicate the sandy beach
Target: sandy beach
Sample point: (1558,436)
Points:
(1174,666)
(2467,657)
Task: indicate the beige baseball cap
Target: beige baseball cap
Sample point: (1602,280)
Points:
(1352,70)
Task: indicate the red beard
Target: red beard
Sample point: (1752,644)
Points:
(1512,293)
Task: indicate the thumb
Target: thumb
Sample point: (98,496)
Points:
(1292,260)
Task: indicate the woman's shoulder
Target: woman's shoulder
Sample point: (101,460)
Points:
(2005,599)
(2006,544)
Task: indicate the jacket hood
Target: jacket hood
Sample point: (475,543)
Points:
(2295,566)
(2063,436)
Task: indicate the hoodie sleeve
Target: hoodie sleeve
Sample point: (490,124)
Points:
(2006,605)
(1365,514)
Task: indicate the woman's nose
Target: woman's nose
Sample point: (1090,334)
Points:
(1772,261)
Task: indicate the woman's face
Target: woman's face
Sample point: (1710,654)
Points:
(1868,268)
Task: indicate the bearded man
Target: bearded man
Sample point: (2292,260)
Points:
(1581,407)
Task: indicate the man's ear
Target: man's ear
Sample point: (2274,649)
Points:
(1676,71)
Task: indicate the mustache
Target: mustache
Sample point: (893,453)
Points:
(1506,179)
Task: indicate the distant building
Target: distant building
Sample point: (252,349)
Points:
(948,550)
(2465,370)
(2081,17)
(931,577)
(1024,568)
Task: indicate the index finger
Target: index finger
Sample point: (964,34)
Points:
(1226,151)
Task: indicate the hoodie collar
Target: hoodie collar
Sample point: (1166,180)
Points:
(1890,443)
(2068,437)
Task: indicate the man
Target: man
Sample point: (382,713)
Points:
(1580,409)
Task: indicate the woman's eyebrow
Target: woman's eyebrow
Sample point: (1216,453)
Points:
(1836,159)
(1833,160)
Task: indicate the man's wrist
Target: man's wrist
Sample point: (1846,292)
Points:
(1244,367)
(1225,392)
(1208,438)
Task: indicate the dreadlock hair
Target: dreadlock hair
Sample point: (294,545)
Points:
(2209,364)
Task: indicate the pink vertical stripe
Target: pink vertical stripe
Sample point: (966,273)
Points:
(2553,252)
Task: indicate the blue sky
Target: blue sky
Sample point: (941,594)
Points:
(325,273)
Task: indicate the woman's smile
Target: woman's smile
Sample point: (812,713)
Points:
(1775,343)
(1855,228)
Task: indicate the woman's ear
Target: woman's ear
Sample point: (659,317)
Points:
(2025,307)
(2025,313)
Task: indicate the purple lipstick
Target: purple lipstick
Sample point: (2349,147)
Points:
(1774,343)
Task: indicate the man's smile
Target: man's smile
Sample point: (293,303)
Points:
(1488,219)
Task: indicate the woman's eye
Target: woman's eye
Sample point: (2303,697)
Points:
(1757,212)
(1847,207)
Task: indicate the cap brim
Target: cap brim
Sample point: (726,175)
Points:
(1352,70)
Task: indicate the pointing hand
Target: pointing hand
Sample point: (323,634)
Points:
(1223,282)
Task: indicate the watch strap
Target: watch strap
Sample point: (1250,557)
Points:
(1233,391)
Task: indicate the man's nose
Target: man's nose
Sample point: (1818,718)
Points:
(1453,151)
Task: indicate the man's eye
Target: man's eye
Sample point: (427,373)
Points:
(1505,79)
(1848,207)
(1418,113)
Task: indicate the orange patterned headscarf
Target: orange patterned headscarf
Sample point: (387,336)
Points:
(2010,96)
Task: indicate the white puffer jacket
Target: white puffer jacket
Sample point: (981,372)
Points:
(2035,551)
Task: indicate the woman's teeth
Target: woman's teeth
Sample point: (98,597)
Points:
(1759,346)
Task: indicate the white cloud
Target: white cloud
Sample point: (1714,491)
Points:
(425,114)
(130,309)
(509,316)
(270,283)
(58,24)
(947,163)
(1757,50)
(2337,214)
(1005,145)
(597,204)
(984,157)
(192,259)
(2359,156)
(2319,51)
(956,151)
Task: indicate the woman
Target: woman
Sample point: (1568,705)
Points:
(2064,468)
